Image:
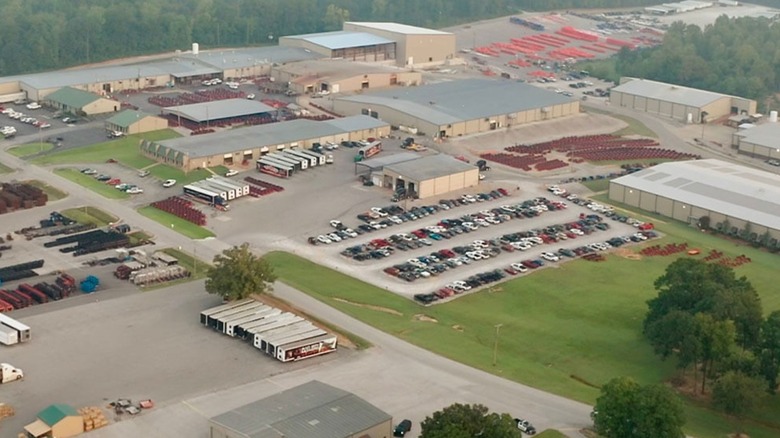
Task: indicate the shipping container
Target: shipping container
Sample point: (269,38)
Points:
(307,348)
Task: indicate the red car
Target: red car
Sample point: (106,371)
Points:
(503,192)
(114,182)
(646,226)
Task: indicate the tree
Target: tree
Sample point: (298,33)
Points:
(238,273)
(737,393)
(627,409)
(468,421)
(769,350)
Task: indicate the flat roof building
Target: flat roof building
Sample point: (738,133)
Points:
(414,46)
(244,145)
(729,194)
(762,141)
(339,76)
(352,46)
(684,104)
(457,108)
(80,102)
(313,409)
(135,122)
(430,176)
(218,110)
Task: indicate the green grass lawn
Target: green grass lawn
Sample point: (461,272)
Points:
(53,194)
(89,215)
(635,127)
(567,329)
(164,172)
(597,185)
(91,183)
(5,169)
(551,433)
(176,223)
(26,150)
(125,150)
(193,264)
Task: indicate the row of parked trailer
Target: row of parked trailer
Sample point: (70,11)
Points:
(284,163)
(217,190)
(282,335)
(12,331)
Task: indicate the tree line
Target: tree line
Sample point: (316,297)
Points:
(733,56)
(52,34)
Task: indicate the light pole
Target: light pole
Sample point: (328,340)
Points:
(495,343)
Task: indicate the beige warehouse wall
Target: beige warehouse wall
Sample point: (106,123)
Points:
(147,124)
(101,106)
(717,109)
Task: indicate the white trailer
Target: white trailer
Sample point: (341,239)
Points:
(246,330)
(22,330)
(298,154)
(282,321)
(241,188)
(263,336)
(8,336)
(321,158)
(255,315)
(307,348)
(224,192)
(222,320)
(296,163)
(270,345)
(213,318)
(204,315)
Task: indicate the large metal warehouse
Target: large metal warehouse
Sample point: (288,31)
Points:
(430,176)
(456,108)
(761,141)
(80,102)
(244,145)
(342,44)
(690,190)
(313,409)
(414,46)
(338,76)
(683,104)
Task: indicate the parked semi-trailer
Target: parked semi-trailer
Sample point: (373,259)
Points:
(22,330)
(8,336)
(9,373)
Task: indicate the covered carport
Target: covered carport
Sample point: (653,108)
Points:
(218,113)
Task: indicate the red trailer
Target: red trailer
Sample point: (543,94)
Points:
(5,307)
(34,293)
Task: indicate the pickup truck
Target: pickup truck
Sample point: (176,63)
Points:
(9,373)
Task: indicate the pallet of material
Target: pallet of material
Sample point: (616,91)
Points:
(6,410)
(94,418)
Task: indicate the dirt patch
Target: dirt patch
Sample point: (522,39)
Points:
(370,306)
(424,318)
(628,254)
(458,328)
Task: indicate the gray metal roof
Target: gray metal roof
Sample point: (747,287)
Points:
(357,123)
(313,409)
(767,135)
(270,134)
(737,191)
(668,92)
(457,101)
(219,109)
(434,166)
(342,39)
(251,56)
(398,28)
(387,160)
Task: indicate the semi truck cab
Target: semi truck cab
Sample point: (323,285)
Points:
(9,373)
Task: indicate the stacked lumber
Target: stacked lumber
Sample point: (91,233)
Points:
(94,418)
(6,410)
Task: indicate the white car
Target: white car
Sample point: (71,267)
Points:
(33,105)
(231,172)
(577,231)
(334,237)
(550,257)
(169,183)
(134,190)
(323,239)
(250,96)
(379,211)
(519,267)
(350,232)
(336,224)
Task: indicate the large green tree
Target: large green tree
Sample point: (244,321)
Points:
(238,273)
(625,409)
(468,421)
(737,393)
(768,351)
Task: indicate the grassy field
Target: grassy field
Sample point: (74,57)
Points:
(597,185)
(567,329)
(89,215)
(53,193)
(551,433)
(5,169)
(164,172)
(192,263)
(26,150)
(91,183)
(635,127)
(125,150)
(176,223)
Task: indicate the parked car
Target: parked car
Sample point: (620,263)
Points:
(144,173)
(69,120)
(89,171)
(231,172)
(33,105)
(402,428)
(169,183)
(525,426)
(115,134)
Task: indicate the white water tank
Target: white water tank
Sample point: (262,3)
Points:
(195,48)
(690,118)
(773,116)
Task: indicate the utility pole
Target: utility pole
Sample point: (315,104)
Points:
(495,343)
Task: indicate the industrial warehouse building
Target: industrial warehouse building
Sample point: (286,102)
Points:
(414,46)
(332,75)
(690,190)
(217,111)
(242,146)
(57,420)
(683,104)
(762,141)
(80,102)
(456,108)
(430,176)
(135,122)
(313,409)
(352,46)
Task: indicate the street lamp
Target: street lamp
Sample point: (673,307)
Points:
(495,343)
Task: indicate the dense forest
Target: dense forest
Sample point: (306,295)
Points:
(50,34)
(733,56)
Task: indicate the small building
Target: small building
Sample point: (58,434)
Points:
(457,108)
(56,421)
(689,190)
(313,409)
(339,76)
(684,104)
(352,46)
(214,113)
(761,141)
(80,102)
(243,146)
(414,46)
(430,176)
(135,122)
